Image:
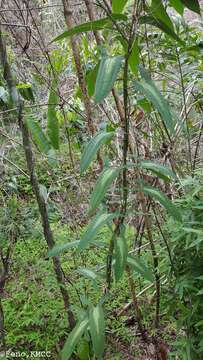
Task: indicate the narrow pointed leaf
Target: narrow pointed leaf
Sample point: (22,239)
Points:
(93,228)
(140,267)
(38,135)
(52,121)
(91,26)
(92,147)
(58,249)
(121,252)
(178,6)
(83,350)
(90,274)
(97,330)
(192,5)
(134,57)
(103,183)
(25,91)
(147,87)
(118,6)
(74,338)
(158,11)
(91,80)
(160,25)
(161,171)
(163,200)
(107,74)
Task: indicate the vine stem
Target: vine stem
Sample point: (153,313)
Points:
(154,256)
(48,235)
(136,306)
(185,107)
(121,218)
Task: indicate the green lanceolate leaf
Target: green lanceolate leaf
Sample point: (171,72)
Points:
(158,11)
(161,171)
(93,228)
(88,273)
(25,91)
(107,74)
(192,5)
(92,147)
(58,249)
(97,330)
(178,6)
(52,121)
(83,351)
(91,80)
(118,6)
(91,26)
(103,183)
(134,57)
(74,338)
(121,252)
(140,267)
(38,135)
(164,201)
(160,25)
(147,87)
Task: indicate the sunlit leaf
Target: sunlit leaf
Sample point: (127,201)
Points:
(74,338)
(107,74)
(92,147)
(97,330)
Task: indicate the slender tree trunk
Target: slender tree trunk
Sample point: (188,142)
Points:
(44,217)
(2,329)
(80,74)
(78,65)
(34,181)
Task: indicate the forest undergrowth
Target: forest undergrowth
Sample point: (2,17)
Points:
(101,180)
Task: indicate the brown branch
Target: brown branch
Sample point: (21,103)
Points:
(35,184)
(78,65)
(48,235)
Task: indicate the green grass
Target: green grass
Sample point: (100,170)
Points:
(34,315)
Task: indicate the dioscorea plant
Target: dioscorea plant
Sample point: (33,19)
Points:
(118,76)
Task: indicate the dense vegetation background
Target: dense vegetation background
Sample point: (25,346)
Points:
(101,217)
